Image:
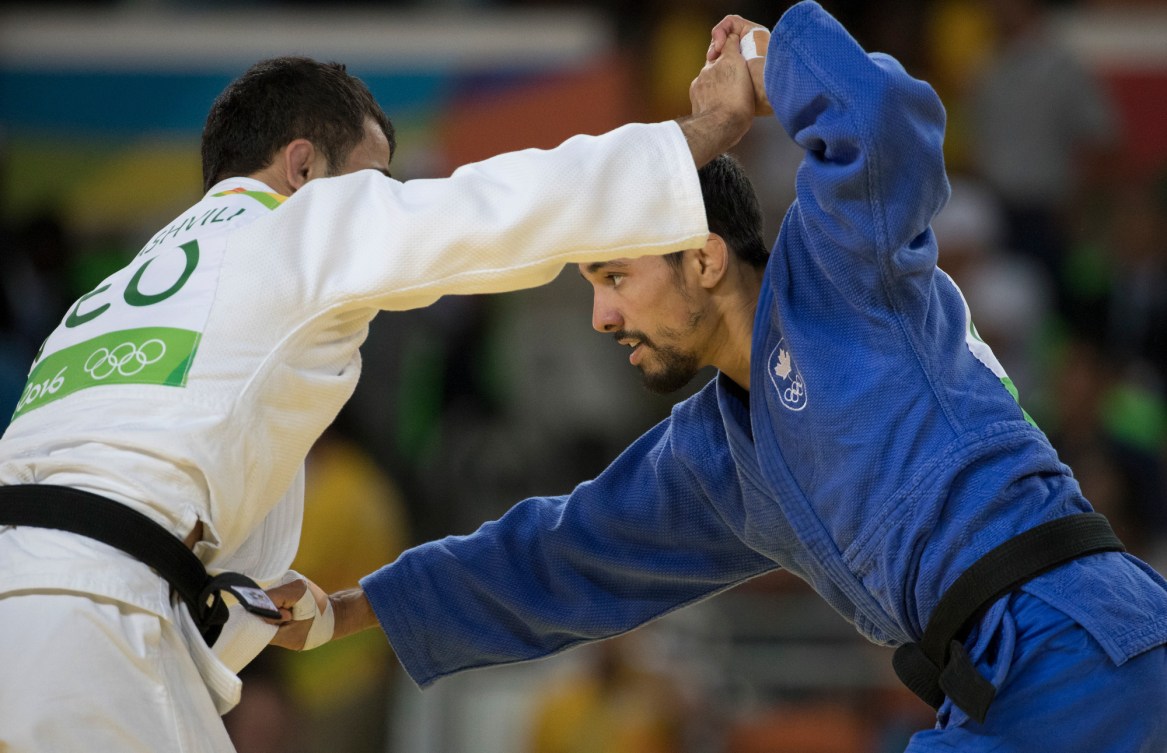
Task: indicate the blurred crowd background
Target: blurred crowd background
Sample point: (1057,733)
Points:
(1056,233)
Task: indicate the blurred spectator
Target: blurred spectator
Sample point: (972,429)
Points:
(35,266)
(350,506)
(771,163)
(421,366)
(810,726)
(959,36)
(1009,295)
(267,718)
(14,359)
(1118,280)
(34,277)
(1043,132)
(674,50)
(338,692)
(1113,421)
(1101,431)
(613,704)
(13,372)
(669,40)
(895,27)
(896,714)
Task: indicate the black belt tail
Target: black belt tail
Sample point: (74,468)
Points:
(938,665)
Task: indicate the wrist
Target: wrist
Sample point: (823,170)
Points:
(353,612)
(714,132)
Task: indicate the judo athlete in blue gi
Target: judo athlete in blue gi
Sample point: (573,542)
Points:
(858,434)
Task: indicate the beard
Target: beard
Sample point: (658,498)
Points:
(665,368)
(674,369)
(670,368)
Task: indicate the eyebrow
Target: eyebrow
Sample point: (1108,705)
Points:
(596,266)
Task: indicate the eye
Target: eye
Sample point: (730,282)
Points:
(614,278)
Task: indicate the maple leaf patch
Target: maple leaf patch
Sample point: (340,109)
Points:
(786,378)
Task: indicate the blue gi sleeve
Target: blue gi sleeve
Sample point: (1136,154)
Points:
(640,540)
(873,175)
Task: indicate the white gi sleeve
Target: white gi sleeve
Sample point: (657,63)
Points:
(506,223)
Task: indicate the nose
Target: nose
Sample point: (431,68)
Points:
(605,317)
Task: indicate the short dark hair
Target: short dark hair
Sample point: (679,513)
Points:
(279,100)
(732,210)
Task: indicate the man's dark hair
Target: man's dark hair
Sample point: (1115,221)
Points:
(280,100)
(732,211)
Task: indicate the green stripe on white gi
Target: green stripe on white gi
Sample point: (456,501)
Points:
(983,353)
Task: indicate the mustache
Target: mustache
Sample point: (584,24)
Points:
(632,334)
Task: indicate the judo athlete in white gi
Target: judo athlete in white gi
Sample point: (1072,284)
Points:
(859,434)
(188,387)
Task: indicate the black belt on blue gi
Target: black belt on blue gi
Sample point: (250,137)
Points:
(110,522)
(938,665)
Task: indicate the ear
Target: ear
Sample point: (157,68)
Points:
(301,163)
(711,261)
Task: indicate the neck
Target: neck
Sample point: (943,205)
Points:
(735,333)
(274,178)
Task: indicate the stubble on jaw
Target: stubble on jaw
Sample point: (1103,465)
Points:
(675,367)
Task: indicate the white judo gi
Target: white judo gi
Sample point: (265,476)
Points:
(191,384)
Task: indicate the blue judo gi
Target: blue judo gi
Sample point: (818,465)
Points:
(879,452)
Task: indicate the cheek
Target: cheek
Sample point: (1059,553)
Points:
(677,325)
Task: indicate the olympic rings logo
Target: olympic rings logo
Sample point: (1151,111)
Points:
(126,359)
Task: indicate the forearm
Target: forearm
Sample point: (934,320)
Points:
(712,133)
(353,612)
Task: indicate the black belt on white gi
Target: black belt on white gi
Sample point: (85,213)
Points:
(110,522)
(938,665)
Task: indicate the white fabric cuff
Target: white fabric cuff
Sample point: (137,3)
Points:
(243,637)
